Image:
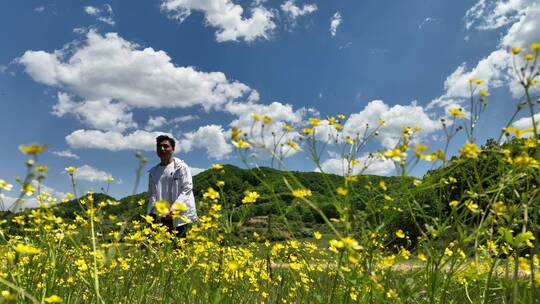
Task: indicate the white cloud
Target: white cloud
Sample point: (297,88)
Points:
(496,68)
(65,153)
(334,23)
(104,14)
(488,15)
(396,117)
(195,170)
(367,165)
(212,138)
(184,118)
(159,121)
(226,16)
(155,123)
(31,202)
(101,114)
(39,9)
(113,140)
(293,11)
(89,173)
(111,68)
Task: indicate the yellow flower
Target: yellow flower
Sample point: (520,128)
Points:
(32,149)
(471,205)
(256,117)
(484,93)
(235,133)
(470,150)
(220,183)
(417,182)
(53,299)
(28,189)
(217,166)
(315,122)
(267,120)
(71,170)
(448,252)
(349,140)
(351,178)
(422,257)
(293,145)
(307,130)
(26,249)
(391,294)
(382,185)
(382,122)
(301,193)
(42,168)
(516,50)
(400,234)
(395,154)
(251,197)
(525,161)
(518,132)
(341,116)
(453,204)
(342,191)
(5,186)
(286,127)
(162,207)
(240,144)
(535,47)
(317,235)
(389,261)
(529,57)
(211,194)
(351,243)
(456,112)
(109,179)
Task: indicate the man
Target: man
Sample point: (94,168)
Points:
(170,181)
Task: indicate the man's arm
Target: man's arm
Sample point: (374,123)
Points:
(185,195)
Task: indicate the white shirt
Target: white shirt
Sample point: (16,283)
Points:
(174,184)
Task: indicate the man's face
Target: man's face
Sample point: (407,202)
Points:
(164,149)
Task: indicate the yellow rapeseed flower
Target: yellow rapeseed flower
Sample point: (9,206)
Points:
(516,50)
(5,185)
(317,235)
(341,116)
(251,197)
(287,128)
(162,207)
(382,185)
(267,120)
(470,150)
(53,299)
(484,93)
(400,234)
(301,193)
(256,117)
(26,249)
(535,47)
(217,166)
(109,179)
(456,112)
(42,168)
(293,145)
(315,122)
(342,191)
(71,170)
(351,178)
(32,149)
(307,131)
(240,144)
(211,194)
(220,183)
(529,57)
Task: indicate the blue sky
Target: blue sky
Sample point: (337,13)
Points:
(97,80)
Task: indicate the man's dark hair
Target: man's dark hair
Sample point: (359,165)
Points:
(165,137)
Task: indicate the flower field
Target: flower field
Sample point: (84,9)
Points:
(465,233)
